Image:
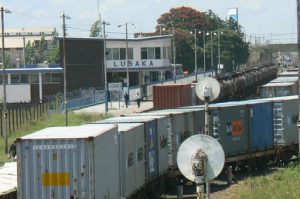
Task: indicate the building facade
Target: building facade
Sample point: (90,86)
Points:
(27,84)
(17,39)
(149,58)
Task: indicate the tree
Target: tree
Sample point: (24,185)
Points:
(37,51)
(42,50)
(186,19)
(95,30)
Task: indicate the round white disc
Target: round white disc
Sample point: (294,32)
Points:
(211,147)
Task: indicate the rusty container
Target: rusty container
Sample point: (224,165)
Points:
(172,96)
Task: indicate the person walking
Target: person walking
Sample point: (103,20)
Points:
(126,98)
(138,100)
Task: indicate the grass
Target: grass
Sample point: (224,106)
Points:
(282,184)
(56,119)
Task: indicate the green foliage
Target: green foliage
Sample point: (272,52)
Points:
(36,52)
(95,30)
(49,121)
(42,50)
(233,48)
(53,56)
(283,184)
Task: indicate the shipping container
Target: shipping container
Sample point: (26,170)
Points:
(163,131)
(284,79)
(229,124)
(131,150)
(288,74)
(182,122)
(278,89)
(69,162)
(198,119)
(285,116)
(150,143)
(172,96)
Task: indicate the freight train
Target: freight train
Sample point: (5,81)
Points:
(234,86)
(120,156)
(242,84)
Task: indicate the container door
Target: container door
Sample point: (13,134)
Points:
(163,130)
(56,169)
(261,125)
(151,150)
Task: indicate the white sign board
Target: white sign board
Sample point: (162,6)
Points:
(115,86)
(16,93)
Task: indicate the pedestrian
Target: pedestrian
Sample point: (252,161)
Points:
(13,151)
(138,100)
(126,98)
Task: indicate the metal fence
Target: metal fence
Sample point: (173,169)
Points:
(88,97)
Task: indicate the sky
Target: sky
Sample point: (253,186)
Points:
(273,20)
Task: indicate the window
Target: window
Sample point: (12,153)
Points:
(130,53)
(46,78)
(123,53)
(143,53)
(165,53)
(24,78)
(151,53)
(157,53)
(115,54)
(56,78)
(34,78)
(108,54)
(15,78)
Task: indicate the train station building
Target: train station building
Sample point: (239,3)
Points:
(149,60)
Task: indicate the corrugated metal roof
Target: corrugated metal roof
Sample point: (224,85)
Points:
(285,79)
(278,84)
(71,132)
(128,119)
(32,70)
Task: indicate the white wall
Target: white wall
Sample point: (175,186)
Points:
(16,93)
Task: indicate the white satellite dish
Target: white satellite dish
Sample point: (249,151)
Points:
(208,88)
(210,147)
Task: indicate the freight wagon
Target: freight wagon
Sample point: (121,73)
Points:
(130,152)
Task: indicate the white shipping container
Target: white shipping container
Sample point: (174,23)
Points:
(69,162)
(132,158)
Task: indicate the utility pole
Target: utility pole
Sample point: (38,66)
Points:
(4,108)
(100,20)
(204,57)
(298,38)
(211,51)
(64,17)
(196,54)
(174,56)
(105,66)
(127,69)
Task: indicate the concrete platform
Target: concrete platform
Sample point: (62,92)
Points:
(8,178)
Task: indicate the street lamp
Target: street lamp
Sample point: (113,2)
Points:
(3,81)
(105,66)
(196,68)
(219,49)
(211,48)
(174,56)
(204,58)
(127,69)
(64,17)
